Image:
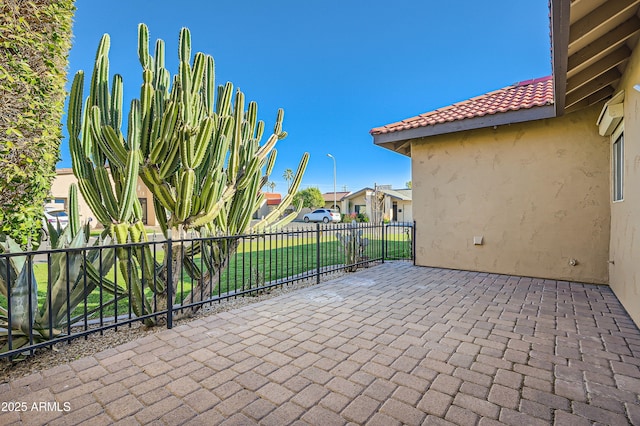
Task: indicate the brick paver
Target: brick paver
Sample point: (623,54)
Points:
(392,344)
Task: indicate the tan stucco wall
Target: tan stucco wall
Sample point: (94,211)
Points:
(359,201)
(60,189)
(537,192)
(406,215)
(624,272)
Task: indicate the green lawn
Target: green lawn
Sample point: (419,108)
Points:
(258,261)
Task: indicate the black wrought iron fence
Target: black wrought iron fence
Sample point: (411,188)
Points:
(57,295)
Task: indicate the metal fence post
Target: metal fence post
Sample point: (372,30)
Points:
(318,253)
(384,241)
(169,257)
(413,243)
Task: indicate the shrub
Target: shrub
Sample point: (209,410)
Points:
(33,60)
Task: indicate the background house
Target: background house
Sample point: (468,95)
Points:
(329,200)
(270,202)
(60,193)
(540,178)
(393,204)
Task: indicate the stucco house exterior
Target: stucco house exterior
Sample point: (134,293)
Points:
(329,200)
(60,193)
(395,204)
(540,178)
(270,202)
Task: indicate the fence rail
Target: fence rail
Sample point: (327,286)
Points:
(53,296)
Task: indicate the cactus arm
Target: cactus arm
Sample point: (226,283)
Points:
(135,124)
(288,199)
(199,65)
(210,84)
(252,118)
(214,211)
(236,138)
(161,215)
(167,128)
(74,115)
(184,52)
(114,152)
(223,106)
(104,190)
(74,213)
(186,183)
(202,140)
(262,225)
(271,162)
(185,84)
(100,92)
(116,102)
(146,102)
(133,165)
(159,69)
(143,46)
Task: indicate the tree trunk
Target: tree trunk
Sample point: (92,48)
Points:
(204,286)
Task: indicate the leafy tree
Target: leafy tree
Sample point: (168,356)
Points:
(288,176)
(408,185)
(310,197)
(34,43)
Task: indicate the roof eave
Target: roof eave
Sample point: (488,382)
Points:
(399,141)
(560,12)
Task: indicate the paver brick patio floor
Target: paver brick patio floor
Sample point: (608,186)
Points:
(393,344)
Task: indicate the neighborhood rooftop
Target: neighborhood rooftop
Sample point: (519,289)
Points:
(522,95)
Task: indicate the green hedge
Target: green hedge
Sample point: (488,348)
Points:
(35,38)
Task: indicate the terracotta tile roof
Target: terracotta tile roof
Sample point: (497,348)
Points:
(273,199)
(523,95)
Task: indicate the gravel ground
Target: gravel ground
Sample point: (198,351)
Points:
(63,353)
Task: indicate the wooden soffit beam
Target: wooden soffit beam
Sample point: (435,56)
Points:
(594,86)
(601,95)
(599,17)
(592,99)
(598,68)
(404,148)
(609,41)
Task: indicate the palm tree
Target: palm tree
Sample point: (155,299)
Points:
(288,176)
(271,185)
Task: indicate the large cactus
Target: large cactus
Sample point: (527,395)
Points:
(195,147)
(201,156)
(106,166)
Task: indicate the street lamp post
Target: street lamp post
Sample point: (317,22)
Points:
(334,180)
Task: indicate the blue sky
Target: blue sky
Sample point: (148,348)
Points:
(337,67)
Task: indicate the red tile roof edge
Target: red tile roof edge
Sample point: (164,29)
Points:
(525,94)
(272,198)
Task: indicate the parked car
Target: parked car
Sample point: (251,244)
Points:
(56,216)
(322,215)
